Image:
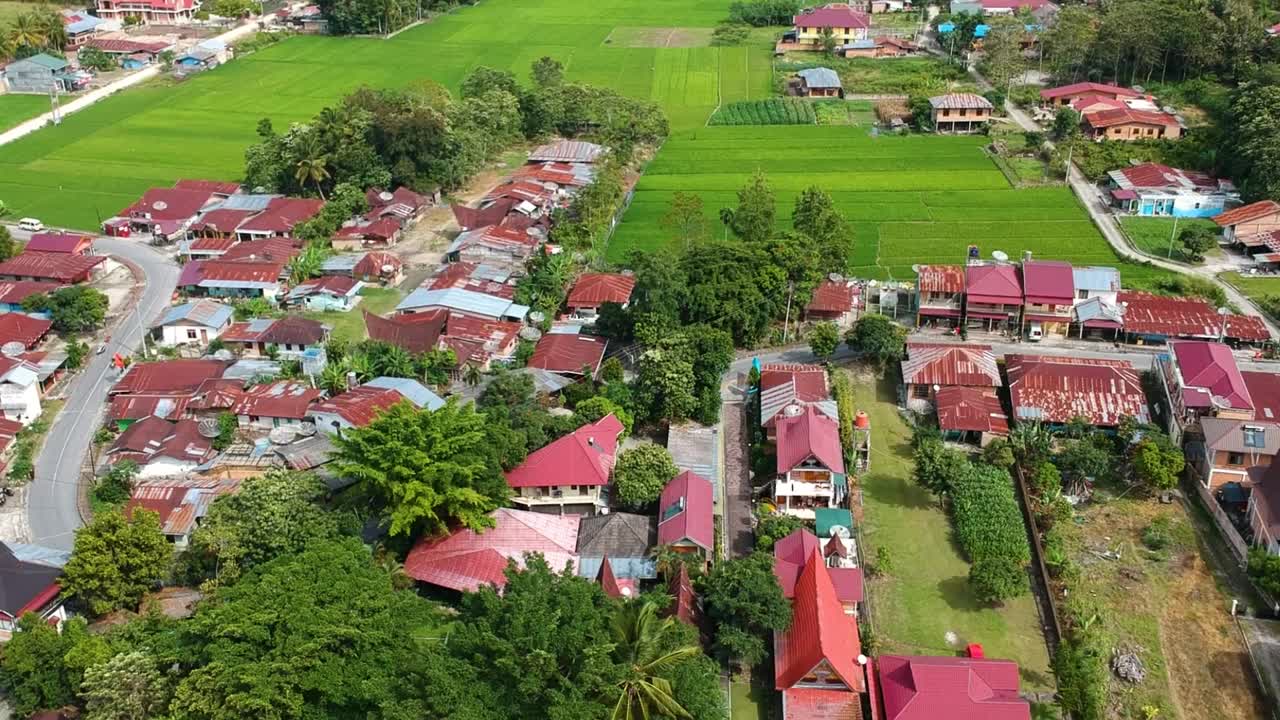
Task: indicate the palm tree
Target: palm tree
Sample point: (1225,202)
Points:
(55,30)
(638,633)
(312,166)
(333,379)
(26,31)
(471,376)
(397,362)
(359,364)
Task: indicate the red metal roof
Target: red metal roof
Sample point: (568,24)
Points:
(595,289)
(168,204)
(994,284)
(380,229)
(1049,282)
(940,278)
(1185,317)
(684,607)
(1248,213)
(1211,367)
(1092,102)
(491,337)
(971,409)
(13,292)
(821,634)
(833,15)
(613,586)
(1128,116)
(832,297)
(685,511)
(950,688)
(1155,175)
(234,271)
(217,187)
(123,46)
(1264,390)
(271,250)
(1055,389)
(59,242)
(16,327)
(808,703)
(789,556)
(288,399)
(221,220)
(281,214)
(470,218)
(1088,87)
(809,435)
(180,502)
(568,353)
(360,405)
(466,560)
(326,285)
(152,438)
(167,376)
(379,198)
(372,264)
(583,457)
(217,394)
(810,380)
(59,267)
(416,332)
(946,364)
(136,407)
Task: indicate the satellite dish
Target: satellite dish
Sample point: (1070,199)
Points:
(840,531)
(862,659)
(160,205)
(628,273)
(1000,255)
(793,410)
(208,428)
(282,435)
(1219,402)
(223,354)
(307,429)
(12,348)
(537,316)
(388,268)
(385,196)
(835,277)
(530,333)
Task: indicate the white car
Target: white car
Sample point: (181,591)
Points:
(30,225)
(1036,332)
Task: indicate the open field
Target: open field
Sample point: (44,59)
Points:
(101,159)
(16,108)
(927,595)
(349,326)
(1262,289)
(1151,235)
(912,199)
(10,10)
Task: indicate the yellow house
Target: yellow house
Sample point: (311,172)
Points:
(846,24)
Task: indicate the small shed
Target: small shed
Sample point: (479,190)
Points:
(37,74)
(819,82)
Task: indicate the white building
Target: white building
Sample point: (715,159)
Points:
(192,323)
(19,390)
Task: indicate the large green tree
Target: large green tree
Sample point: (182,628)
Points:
(752,220)
(424,469)
(74,309)
(879,339)
(816,216)
(641,473)
(41,668)
(115,560)
(129,686)
(744,601)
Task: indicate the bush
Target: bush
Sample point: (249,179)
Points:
(997,579)
(730,33)
(117,485)
(1081,669)
(1264,568)
(1156,536)
(988,522)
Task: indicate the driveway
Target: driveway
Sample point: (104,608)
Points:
(52,510)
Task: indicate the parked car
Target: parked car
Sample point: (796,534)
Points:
(30,225)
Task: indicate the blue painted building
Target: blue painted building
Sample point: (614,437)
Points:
(1154,190)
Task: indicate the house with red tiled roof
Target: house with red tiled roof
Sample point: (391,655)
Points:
(1202,379)
(1130,123)
(1264,510)
(61,268)
(947,688)
(845,23)
(810,463)
(167,12)
(362,404)
(838,552)
(466,560)
(568,475)
(685,515)
(1249,221)
(929,367)
(279,218)
(232,279)
(787,388)
(161,448)
(182,502)
(593,290)
(993,296)
(818,661)
(835,302)
(970,415)
(166,212)
(61,242)
(940,293)
(1049,295)
(24,329)
(276,404)
(1063,95)
(1056,389)
(1155,190)
(568,354)
(291,336)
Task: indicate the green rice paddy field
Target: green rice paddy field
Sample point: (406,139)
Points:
(909,199)
(16,108)
(101,159)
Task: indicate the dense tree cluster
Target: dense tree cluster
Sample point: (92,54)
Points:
(743,600)
(38,30)
(74,309)
(761,13)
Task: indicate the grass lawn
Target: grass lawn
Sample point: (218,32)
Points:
(926,597)
(896,21)
(1163,605)
(349,326)
(845,112)
(99,160)
(1262,289)
(17,108)
(906,76)
(11,10)
(749,701)
(909,199)
(1151,235)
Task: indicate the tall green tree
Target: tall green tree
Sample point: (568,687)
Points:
(115,560)
(685,218)
(547,72)
(8,246)
(753,219)
(424,469)
(641,473)
(879,339)
(824,338)
(1067,42)
(637,637)
(74,309)
(129,686)
(312,166)
(1002,58)
(816,216)
(744,601)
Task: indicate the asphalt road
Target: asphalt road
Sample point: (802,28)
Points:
(51,509)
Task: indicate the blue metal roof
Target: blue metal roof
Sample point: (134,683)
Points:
(946,27)
(414,391)
(820,77)
(981,31)
(1102,279)
(253,203)
(206,312)
(463,300)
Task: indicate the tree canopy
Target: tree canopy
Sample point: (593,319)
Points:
(115,560)
(744,601)
(641,473)
(74,309)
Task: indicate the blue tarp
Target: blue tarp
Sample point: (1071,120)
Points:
(946,27)
(981,31)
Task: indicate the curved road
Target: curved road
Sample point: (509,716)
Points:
(51,503)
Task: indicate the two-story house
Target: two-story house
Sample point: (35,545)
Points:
(787,388)
(810,463)
(1201,379)
(841,20)
(960,112)
(1264,510)
(1049,294)
(993,296)
(940,294)
(1235,450)
(570,474)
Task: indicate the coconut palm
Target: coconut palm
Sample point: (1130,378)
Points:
(26,31)
(396,362)
(333,379)
(638,633)
(312,166)
(471,376)
(55,30)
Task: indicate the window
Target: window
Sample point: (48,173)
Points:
(1082,294)
(1235,458)
(191,334)
(1254,436)
(920,392)
(946,112)
(963,112)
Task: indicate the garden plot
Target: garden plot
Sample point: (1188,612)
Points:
(660,37)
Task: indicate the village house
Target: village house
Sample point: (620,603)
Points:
(1054,390)
(39,74)
(993,296)
(62,268)
(9,430)
(835,302)
(214,397)
(810,464)
(479,342)
(568,354)
(1201,379)
(567,476)
(1040,9)
(192,323)
(1160,318)
(696,448)
(165,12)
(416,333)
(462,302)
(947,688)
(1244,224)
(279,218)
(403,204)
(567,151)
(365,233)
(786,389)
(161,448)
(940,294)
(818,82)
(382,268)
(686,520)
(1096,310)
(80,27)
(1234,451)
(484,278)
(204,55)
(181,502)
(960,112)
(878,47)
(29,577)
(591,291)
(232,279)
(1263,510)
(834,543)
(466,560)
(1155,190)
(839,19)
(20,390)
(1129,123)
(929,367)
(1064,95)
(60,242)
(362,404)
(276,404)
(164,213)
(1050,294)
(1096,282)
(25,330)
(161,388)
(970,415)
(13,292)
(291,336)
(617,548)
(331,293)
(494,244)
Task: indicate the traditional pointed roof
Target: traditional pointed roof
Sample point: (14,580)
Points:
(685,608)
(612,586)
(809,435)
(834,547)
(821,638)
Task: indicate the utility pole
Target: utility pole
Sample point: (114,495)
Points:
(1173,235)
(786,325)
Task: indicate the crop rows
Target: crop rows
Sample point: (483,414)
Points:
(771,111)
